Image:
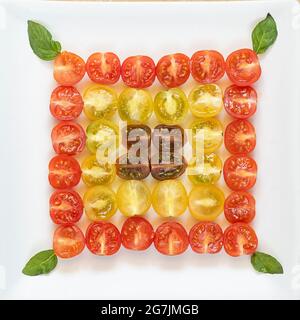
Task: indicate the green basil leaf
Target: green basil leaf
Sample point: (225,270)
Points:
(265,263)
(41,41)
(41,263)
(264,34)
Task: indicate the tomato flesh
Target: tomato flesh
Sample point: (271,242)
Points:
(206,237)
(240,239)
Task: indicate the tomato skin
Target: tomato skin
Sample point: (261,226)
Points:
(240,172)
(206,237)
(64,172)
(65,207)
(69,68)
(240,239)
(68,138)
(240,137)
(240,102)
(243,67)
(103,238)
(138,71)
(207,66)
(173,70)
(65,103)
(239,207)
(137,234)
(68,241)
(171,239)
(103,67)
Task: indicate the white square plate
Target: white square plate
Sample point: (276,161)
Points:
(154,29)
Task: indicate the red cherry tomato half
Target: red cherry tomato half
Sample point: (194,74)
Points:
(240,173)
(68,241)
(239,207)
(171,239)
(104,68)
(103,238)
(239,137)
(240,239)
(137,234)
(68,138)
(240,102)
(64,172)
(66,103)
(242,67)
(69,68)
(173,70)
(65,206)
(206,237)
(138,71)
(207,66)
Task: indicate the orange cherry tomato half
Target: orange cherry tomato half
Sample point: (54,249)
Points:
(240,239)
(171,238)
(243,67)
(239,137)
(206,237)
(68,138)
(69,68)
(104,68)
(207,66)
(64,172)
(65,206)
(173,70)
(68,241)
(66,103)
(137,233)
(103,238)
(138,71)
(239,207)
(240,102)
(240,173)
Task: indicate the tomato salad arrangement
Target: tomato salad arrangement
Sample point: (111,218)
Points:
(169,197)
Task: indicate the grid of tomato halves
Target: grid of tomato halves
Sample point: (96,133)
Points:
(169,198)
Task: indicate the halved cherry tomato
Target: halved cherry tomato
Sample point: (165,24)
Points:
(103,67)
(138,71)
(171,238)
(103,238)
(240,137)
(173,70)
(239,207)
(240,173)
(68,138)
(207,66)
(206,237)
(137,234)
(242,67)
(69,68)
(239,239)
(240,102)
(66,103)
(68,241)
(64,172)
(65,206)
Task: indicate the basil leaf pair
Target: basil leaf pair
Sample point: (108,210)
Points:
(41,263)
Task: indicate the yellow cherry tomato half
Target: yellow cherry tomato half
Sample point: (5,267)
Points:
(134,198)
(206,100)
(100,203)
(135,105)
(169,198)
(171,106)
(206,169)
(207,135)
(94,173)
(206,202)
(99,102)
